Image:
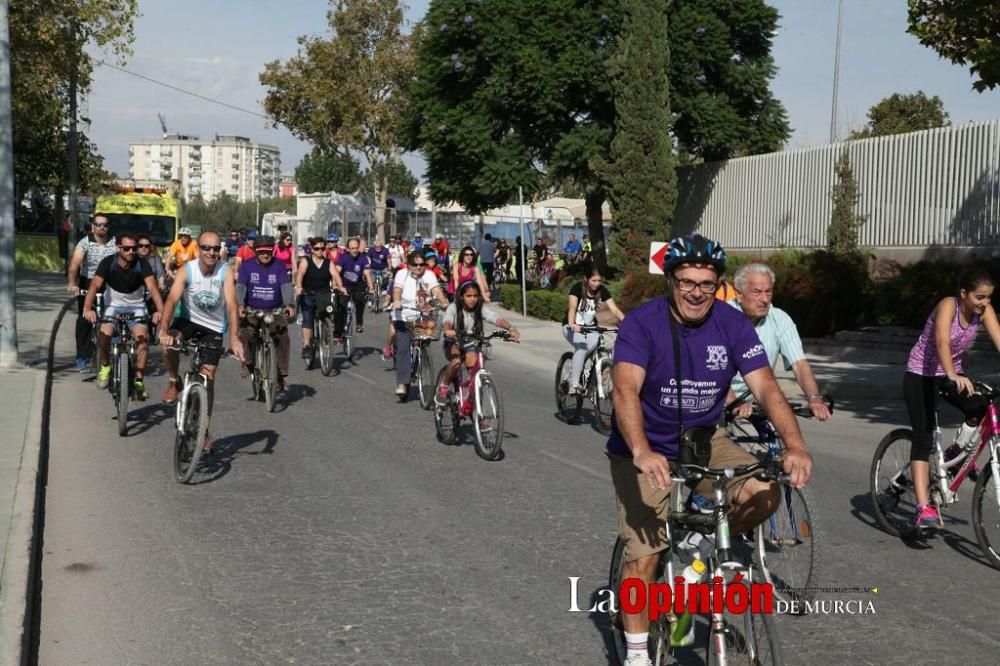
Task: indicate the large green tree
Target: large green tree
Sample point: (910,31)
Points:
(51,41)
(966,32)
(400,180)
(328,171)
(642,184)
(520,93)
(348,90)
(900,113)
(225,212)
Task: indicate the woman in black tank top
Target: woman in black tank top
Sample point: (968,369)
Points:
(312,286)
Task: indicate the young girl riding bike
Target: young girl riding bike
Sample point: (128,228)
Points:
(935,365)
(466,316)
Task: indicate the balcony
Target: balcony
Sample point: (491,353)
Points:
(166,151)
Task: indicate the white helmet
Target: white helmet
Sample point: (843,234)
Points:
(439,237)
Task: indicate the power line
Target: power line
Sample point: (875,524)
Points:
(186,92)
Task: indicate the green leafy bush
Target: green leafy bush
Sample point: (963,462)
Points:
(542,303)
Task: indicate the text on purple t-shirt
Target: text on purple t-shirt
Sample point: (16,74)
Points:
(352,269)
(378,259)
(263,283)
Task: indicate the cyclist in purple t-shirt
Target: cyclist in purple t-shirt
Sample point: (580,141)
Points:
(355,273)
(713,344)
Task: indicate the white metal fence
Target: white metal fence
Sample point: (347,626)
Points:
(938,187)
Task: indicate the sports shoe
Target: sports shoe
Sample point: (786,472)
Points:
(139,388)
(170,395)
(927,517)
(638,660)
(81,364)
(104,377)
(361,329)
(306,351)
(387,353)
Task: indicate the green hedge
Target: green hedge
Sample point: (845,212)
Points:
(37,252)
(542,303)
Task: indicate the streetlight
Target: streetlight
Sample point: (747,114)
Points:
(836,73)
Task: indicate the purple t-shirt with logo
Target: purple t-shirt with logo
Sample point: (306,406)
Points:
(711,355)
(352,270)
(263,283)
(378,259)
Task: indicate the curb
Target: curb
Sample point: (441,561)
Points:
(18,613)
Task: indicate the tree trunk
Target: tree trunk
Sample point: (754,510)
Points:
(595,227)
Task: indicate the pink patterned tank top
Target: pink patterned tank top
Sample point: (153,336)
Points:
(924,357)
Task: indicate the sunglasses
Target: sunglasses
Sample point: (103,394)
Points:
(318,248)
(100,225)
(146,245)
(210,248)
(420,265)
(268,251)
(127,248)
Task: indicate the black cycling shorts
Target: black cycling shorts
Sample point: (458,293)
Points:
(211,340)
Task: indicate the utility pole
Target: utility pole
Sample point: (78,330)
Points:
(836,74)
(8,318)
(72,166)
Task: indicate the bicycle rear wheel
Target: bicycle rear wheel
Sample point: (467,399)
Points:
(269,374)
(123,390)
(986,515)
(325,345)
(785,548)
(191,435)
(602,406)
(894,502)
(425,378)
(568,406)
(445,414)
(488,420)
(750,638)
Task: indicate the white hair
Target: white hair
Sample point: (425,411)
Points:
(743,274)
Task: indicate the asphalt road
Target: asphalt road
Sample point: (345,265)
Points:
(339,531)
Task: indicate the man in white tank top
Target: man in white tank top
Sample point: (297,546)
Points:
(206,290)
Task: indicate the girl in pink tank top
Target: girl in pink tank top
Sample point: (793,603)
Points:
(935,366)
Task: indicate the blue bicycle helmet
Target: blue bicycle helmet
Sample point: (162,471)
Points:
(333,238)
(695,249)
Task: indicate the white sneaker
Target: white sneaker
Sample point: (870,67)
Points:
(638,660)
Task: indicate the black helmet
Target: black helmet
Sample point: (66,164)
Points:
(695,249)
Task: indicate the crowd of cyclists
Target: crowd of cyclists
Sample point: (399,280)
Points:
(678,360)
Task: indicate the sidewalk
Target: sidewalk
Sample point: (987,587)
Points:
(847,372)
(40,299)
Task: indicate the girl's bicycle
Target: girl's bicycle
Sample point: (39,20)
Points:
(191,417)
(891,484)
(785,546)
(595,383)
(744,638)
(473,394)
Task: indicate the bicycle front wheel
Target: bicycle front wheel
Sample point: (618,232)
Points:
(269,375)
(123,390)
(425,378)
(986,515)
(659,631)
(191,434)
(488,419)
(750,638)
(785,548)
(894,502)
(600,394)
(568,406)
(325,345)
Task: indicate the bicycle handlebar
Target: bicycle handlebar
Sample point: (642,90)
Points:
(598,329)
(799,409)
(769,470)
(472,337)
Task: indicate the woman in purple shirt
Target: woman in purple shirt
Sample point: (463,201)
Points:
(935,364)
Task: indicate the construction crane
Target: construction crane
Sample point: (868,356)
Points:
(163,124)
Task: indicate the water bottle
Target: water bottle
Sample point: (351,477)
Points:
(682,630)
(967,436)
(697,545)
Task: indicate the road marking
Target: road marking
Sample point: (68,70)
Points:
(361,377)
(575,465)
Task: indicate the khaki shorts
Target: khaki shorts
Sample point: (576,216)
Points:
(643,508)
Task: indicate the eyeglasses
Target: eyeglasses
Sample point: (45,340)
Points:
(100,225)
(210,248)
(468,254)
(706,287)
(145,246)
(127,248)
(319,248)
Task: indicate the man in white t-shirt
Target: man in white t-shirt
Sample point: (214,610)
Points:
(397,255)
(412,291)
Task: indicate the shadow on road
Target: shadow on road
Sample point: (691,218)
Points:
(148,417)
(294,393)
(227,449)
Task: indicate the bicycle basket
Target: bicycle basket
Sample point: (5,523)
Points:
(425,327)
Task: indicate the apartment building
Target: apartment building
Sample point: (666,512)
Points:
(229,164)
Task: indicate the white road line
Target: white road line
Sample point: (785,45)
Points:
(361,377)
(576,465)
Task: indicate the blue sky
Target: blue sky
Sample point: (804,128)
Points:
(218,47)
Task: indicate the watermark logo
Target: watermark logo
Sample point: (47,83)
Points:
(656,599)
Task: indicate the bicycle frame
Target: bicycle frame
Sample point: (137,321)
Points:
(192,376)
(990,426)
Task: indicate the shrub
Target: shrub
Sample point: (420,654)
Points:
(542,303)
(638,288)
